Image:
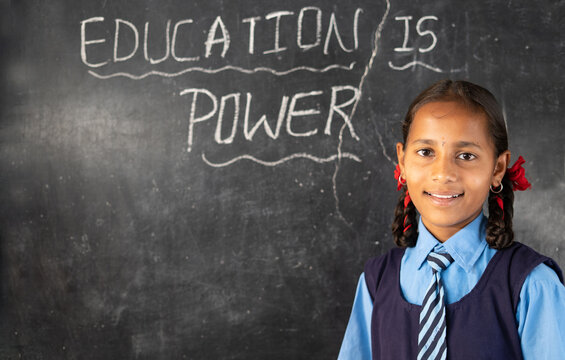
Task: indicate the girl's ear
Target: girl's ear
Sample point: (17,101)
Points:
(400,156)
(500,168)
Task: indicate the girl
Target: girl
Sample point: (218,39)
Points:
(458,286)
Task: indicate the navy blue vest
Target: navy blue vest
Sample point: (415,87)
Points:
(481,325)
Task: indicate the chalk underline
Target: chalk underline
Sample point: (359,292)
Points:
(343,155)
(224,68)
(413,64)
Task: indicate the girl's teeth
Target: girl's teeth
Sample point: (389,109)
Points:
(445,196)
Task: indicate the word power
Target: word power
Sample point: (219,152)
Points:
(289,112)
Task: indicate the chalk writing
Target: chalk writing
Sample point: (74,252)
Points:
(368,67)
(108,42)
(331,158)
(288,113)
(122,41)
(225,68)
(422,33)
(218,35)
(413,64)
(214,45)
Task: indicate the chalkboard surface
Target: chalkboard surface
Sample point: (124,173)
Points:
(205,179)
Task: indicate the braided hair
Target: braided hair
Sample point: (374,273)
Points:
(404,227)
(499,233)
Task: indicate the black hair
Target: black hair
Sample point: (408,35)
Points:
(499,227)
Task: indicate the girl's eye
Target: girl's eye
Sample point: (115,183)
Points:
(425,152)
(466,156)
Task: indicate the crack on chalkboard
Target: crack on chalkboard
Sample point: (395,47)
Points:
(376,39)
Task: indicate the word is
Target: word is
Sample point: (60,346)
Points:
(420,32)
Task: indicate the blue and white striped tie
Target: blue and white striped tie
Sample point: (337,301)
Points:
(432,342)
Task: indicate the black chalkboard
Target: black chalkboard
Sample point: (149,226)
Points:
(205,179)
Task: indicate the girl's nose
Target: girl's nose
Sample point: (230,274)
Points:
(443,170)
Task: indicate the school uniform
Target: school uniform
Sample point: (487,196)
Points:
(501,304)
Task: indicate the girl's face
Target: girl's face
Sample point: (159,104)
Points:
(449,163)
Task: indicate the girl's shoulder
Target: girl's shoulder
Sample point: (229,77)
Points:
(388,258)
(385,266)
(522,257)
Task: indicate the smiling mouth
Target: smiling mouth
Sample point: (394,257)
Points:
(454,196)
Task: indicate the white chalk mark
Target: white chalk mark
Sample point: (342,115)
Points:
(225,68)
(84,42)
(277,15)
(318,28)
(404,47)
(427,32)
(285,159)
(413,64)
(334,177)
(376,39)
(384,149)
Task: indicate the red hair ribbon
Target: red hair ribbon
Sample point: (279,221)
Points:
(517,176)
(398,177)
(500,205)
(401,183)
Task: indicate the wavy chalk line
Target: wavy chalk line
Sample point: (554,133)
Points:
(287,158)
(414,63)
(224,68)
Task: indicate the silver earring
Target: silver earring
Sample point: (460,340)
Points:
(497,191)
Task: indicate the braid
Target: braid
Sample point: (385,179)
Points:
(405,218)
(499,227)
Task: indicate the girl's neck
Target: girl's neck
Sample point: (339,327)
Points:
(444,233)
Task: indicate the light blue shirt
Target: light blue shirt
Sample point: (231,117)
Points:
(541,309)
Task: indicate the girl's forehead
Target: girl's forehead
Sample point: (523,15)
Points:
(449,121)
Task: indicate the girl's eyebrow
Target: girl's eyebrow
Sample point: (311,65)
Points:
(424,141)
(461,144)
(458,144)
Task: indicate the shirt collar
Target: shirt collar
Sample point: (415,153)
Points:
(465,246)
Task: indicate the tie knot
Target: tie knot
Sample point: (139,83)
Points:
(439,261)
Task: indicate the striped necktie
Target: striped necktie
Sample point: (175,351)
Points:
(432,342)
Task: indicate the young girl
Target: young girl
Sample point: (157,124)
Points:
(458,286)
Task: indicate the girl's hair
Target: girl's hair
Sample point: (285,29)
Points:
(499,227)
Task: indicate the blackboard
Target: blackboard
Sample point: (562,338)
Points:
(205,179)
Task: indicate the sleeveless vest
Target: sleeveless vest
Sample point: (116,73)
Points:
(481,325)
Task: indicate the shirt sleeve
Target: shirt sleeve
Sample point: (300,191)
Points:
(541,315)
(356,343)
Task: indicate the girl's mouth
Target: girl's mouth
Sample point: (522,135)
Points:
(444,200)
(444,196)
